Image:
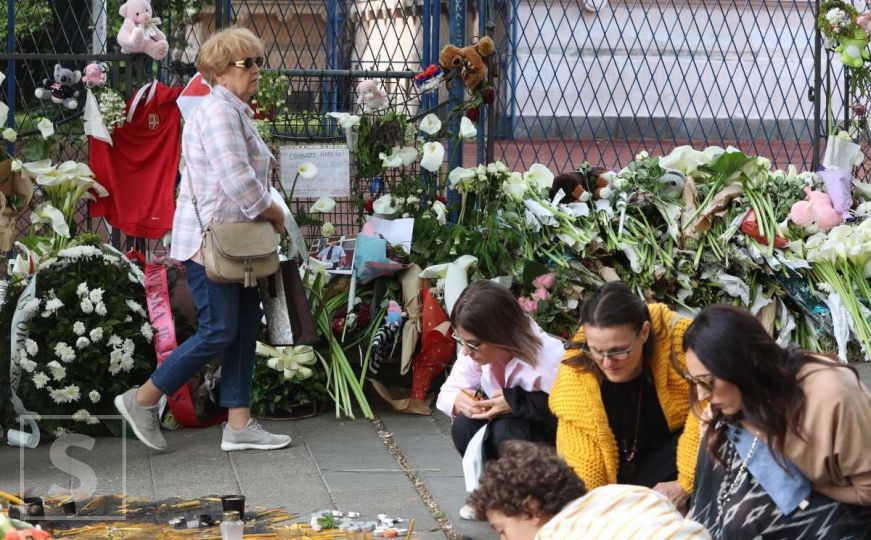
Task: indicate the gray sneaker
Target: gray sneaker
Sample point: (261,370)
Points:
(252,437)
(143,420)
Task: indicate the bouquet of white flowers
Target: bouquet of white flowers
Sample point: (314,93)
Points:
(85,337)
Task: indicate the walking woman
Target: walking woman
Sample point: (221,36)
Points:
(621,400)
(227,165)
(503,374)
(786,439)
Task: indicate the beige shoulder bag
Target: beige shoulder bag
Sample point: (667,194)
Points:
(238,252)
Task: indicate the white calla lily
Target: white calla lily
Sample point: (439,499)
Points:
(515,186)
(4,113)
(345,120)
(392,160)
(2,77)
(45,127)
(440,211)
(324,205)
(307,170)
(467,128)
(48,214)
(37,168)
(539,177)
(408,155)
(430,124)
(433,156)
(461,178)
(292,361)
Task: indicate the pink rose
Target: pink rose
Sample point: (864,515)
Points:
(541,294)
(529,305)
(544,281)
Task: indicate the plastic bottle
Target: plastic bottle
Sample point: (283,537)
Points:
(232,526)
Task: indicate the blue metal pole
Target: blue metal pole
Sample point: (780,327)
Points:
(457,15)
(483,111)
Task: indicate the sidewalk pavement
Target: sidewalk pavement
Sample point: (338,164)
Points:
(343,465)
(333,464)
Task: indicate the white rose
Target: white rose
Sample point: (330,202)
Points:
(94,396)
(82,342)
(79,328)
(87,306)
(10,135)
(96,335)
(328,229)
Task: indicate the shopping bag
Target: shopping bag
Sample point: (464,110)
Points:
(288,315)
(473,460)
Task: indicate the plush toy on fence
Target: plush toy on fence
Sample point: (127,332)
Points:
(95,75)
(61,89)
(817,210)
(469,61)
(371,95)
(140,32)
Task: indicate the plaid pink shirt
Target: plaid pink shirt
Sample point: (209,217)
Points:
(229,165)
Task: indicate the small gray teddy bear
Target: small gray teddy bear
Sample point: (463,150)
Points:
(60,89)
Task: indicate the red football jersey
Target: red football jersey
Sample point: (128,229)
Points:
(139,170)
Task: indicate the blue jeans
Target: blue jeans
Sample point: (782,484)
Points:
(228,322)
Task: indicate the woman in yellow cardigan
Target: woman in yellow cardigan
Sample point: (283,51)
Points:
(621,398)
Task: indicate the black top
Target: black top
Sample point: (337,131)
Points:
(622,407)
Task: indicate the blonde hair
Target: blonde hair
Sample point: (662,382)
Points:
(225,47)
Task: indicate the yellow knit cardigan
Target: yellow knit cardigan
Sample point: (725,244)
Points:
(584,437)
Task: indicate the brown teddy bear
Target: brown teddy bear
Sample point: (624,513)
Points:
(469,61)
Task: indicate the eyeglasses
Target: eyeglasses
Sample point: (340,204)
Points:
(249,62)
(472,348)
(705,382)
(615,355)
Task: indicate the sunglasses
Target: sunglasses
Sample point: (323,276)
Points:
(249,62)
(706,382)
(461,343)
(614,355)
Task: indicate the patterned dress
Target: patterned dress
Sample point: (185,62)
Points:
(749,513)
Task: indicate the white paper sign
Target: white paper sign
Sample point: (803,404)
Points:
(334,170)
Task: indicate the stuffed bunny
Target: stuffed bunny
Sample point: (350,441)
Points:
(60,89)
(140,32)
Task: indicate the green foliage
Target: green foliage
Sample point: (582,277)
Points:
(377,135)
(273,395)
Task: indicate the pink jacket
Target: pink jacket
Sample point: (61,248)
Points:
(469,375)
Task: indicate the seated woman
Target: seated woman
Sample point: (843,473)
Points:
(787,435)
(621,400)
(529,493)
(505,356)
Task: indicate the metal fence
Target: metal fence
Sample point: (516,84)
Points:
(595,80)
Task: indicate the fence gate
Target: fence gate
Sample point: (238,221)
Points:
(595,80)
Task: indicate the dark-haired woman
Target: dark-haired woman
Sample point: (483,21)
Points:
(788,435)
(621,399)
(503,374)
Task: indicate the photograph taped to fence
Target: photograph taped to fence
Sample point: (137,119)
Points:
(334,170)
(336,251)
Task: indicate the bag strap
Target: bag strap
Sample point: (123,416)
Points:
(194,201)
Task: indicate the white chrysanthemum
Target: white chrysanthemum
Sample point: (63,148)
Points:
(68,394)
(27,365)
(82,415)
(96,296)
(58,372)
(96,335)
(64,352)
(126,363)
(79,328)
(94,396)
(87,306)
(82,289)
(115,340)
(100,309)
(128,318)
(32,306)
(135,307)
(51,306)
(82,342)
(129,347)
(31,347)
(147,332)
(40,379)
(60,432)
